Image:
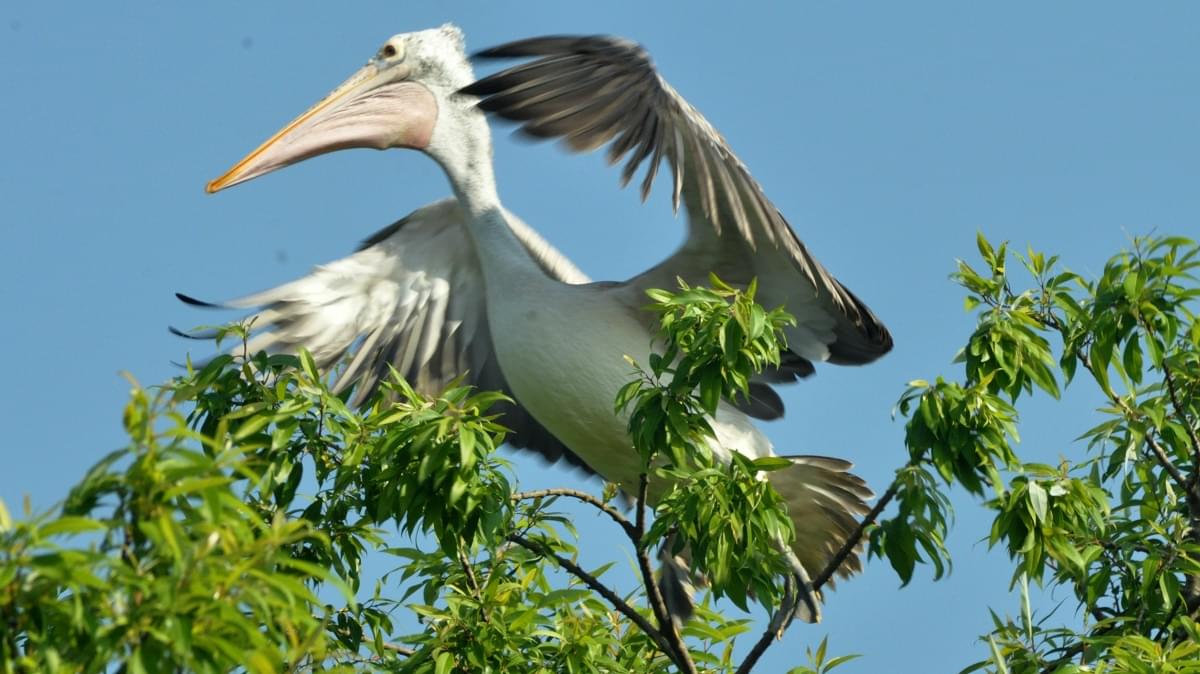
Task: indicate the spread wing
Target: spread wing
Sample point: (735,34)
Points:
(412,297)
(593,91)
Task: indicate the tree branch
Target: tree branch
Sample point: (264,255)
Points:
(1191,589)
(1180,412)
(397,648)
(666,636)
(679,653)
(1181,416)
(1163,459)
(595,584)
(473,582)
(768,637)
(1165,462)
(1068,654)
(856,537)
(603,507)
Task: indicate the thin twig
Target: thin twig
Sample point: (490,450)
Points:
(1181,416)
(1165,461)
(769,636)
(395,648)
(1078,648)
(595,584)
(1191,590)
(605,508)
(678,652)
(1068,655)
(473,582)
(1180,412)
(856,537)
(1164,630)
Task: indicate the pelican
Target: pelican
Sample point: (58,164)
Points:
(462,285)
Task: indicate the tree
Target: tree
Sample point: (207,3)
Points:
(1118,528)
(194,548)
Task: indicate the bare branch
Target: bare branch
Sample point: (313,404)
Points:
(394,648)
(603,507)
(770,634)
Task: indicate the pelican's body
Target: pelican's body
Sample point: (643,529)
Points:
(567,375)
(464,286)
(564,358)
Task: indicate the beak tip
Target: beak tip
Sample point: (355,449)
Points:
(213,186)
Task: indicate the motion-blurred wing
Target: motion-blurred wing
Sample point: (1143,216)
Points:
(412,297)
(592,91)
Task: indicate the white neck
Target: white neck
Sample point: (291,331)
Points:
(462,144)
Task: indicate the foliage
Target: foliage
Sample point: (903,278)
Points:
(1119,528)
(733,523)
(231,531)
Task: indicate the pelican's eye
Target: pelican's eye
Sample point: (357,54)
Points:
(391,51)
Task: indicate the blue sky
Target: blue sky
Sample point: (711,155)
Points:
(887,133)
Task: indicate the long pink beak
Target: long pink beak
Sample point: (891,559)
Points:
(374,108)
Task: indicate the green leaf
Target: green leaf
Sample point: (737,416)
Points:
(69,525)
(997,659)
(1038,501)
(309,365)
(769,463)
(985,249)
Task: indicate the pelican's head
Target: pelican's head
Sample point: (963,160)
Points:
(395,100)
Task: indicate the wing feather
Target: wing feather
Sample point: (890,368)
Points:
(598,90)
(411,297)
